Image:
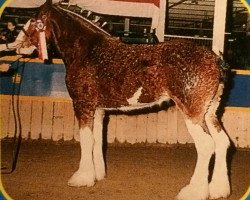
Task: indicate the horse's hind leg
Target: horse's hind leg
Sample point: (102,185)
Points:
(219,186)
(98,141)
(197,189)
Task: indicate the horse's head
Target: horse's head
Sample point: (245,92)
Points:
(63,28)
(40,23)
(38,29)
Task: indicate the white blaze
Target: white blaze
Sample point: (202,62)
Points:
(44,52)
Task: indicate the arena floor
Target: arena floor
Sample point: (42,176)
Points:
(134,172)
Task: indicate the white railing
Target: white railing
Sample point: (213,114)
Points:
(202,41)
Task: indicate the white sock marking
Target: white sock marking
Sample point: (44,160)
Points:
(219,186)
(85,175)
(198,187)
(97,151)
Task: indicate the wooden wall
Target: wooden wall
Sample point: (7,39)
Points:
(52,118)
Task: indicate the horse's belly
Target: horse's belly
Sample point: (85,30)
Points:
(135,105)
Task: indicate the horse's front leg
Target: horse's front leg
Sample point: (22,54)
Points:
(98,145)
(85,175)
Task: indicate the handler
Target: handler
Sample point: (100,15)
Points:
(21,47)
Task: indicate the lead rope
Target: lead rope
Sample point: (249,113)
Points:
(16,144)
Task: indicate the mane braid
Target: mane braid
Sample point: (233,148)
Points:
(86,20)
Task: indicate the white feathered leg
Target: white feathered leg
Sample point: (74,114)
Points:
(98,141)
(219,185)
(197,189)
(85,175)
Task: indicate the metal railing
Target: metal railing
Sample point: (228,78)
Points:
(202,41)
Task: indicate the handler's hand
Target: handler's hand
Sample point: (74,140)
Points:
(4,67)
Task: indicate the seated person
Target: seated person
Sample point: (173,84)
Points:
(10,33)
(8,36)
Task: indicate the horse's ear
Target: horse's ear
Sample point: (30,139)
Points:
(49,2)
(32,20)
(44,18)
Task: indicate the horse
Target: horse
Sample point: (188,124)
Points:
(105,74)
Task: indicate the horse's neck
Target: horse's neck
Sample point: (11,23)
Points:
(70,43)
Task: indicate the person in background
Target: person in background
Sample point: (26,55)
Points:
(8,36)
(18,46)
(10,33)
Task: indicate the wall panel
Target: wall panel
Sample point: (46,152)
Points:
(54,119)
(5,114)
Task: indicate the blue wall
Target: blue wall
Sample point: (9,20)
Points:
(239,94)
(38,80)
(48,80)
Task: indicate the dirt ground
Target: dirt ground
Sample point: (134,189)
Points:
(134,172)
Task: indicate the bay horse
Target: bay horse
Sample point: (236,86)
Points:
(103,73)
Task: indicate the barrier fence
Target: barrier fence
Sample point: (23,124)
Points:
(201,41)
(53,119)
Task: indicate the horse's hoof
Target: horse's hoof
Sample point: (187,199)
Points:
(100,172)
(81,178)
(100,175)
(193,192)
(219,189)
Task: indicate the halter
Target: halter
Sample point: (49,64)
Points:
(42,46)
